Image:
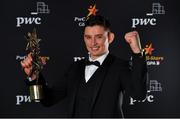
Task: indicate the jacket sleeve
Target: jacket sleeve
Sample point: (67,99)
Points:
(55,93)
(134,78)
(52,94)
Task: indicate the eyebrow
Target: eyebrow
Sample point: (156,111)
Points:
(91,35)
(99,34)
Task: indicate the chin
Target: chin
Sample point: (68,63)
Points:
(96,54)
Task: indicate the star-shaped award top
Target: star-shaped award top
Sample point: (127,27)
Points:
(33,41)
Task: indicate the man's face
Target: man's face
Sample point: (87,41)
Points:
(97,40)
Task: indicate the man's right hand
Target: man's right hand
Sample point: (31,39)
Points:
(27,66)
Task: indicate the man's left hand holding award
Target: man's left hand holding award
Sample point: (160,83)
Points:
(33,64)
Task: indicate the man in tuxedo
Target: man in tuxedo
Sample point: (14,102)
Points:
(94,86)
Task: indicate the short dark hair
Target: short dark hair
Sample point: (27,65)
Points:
(98,20)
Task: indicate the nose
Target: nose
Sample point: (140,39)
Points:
(94,41)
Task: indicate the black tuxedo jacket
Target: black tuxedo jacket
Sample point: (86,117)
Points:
(116,76)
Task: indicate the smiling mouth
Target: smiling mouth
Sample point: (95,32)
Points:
(94,48)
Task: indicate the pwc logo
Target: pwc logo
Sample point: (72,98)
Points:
(91,11)
(154,86)
(157,9)
(41,7)
(22,99)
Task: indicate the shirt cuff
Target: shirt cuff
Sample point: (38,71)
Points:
(29,79)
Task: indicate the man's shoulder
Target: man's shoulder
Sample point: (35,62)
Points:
(75,66)
(119,62)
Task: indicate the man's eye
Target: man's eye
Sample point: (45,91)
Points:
(88,38)
(99,37)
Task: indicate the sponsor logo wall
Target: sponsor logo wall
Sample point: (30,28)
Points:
(60,26)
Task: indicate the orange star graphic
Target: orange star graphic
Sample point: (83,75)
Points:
(148,49)
(92,10)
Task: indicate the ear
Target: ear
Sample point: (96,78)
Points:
(110,37)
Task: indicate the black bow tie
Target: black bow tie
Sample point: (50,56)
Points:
(96,63)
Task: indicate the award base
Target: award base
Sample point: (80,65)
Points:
(36,92)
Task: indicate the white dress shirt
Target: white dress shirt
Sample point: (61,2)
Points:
(90,69)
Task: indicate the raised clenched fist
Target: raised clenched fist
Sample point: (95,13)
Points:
(132,38)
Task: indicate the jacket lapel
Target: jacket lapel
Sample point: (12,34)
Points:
(100,75)
(75,85)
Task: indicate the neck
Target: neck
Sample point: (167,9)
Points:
(95,57)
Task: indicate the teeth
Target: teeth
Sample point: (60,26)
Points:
(94,48)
